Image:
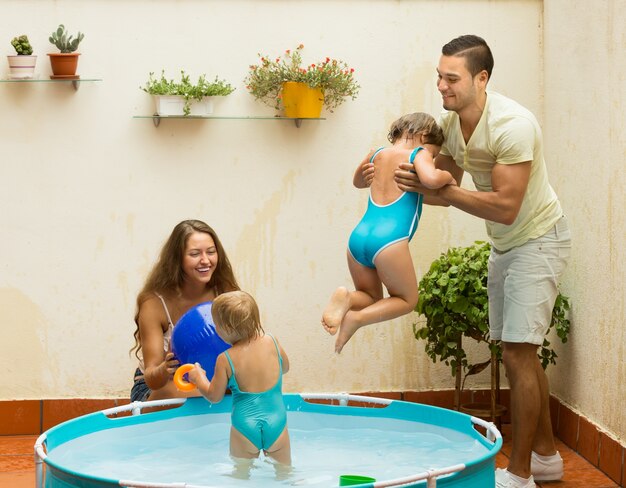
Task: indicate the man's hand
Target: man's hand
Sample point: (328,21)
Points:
(407,180)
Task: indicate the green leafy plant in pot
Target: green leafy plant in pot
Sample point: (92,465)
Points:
(453,299)
(65,62)
(185,97)
(22,64)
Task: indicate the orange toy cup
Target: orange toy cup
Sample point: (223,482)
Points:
(180,382)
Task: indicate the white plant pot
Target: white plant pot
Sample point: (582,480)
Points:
(169,105)
(203,107)
(174,105)
(21,67)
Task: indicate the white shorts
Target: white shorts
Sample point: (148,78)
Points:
(522,286)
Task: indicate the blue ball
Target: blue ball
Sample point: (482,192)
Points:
(194,339)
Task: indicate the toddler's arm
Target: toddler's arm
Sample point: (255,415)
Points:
(283,354)
(428,174)
(364,173)
(215,389)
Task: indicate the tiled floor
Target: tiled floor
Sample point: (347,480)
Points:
(579,473)
(17,461)
(17,468)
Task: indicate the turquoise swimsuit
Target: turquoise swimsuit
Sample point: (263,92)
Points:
(260,417)
(384,225)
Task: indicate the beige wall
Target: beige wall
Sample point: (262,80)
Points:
(585,133)
(88,194)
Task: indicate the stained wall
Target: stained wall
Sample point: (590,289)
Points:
(89,192)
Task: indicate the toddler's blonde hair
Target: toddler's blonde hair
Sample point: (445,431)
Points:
(414,124)
(238,314)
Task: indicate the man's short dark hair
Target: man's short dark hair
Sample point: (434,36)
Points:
(474,49)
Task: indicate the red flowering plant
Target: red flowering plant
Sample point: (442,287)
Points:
(335,78)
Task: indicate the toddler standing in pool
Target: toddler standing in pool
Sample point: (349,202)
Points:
(378,249)
(253,369)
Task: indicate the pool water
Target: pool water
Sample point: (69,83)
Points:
(195,450)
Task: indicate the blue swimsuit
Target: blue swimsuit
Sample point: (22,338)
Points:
(260,417)
(384,225)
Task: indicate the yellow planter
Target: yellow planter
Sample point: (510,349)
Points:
(301,101)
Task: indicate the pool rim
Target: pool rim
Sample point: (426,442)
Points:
(492,440)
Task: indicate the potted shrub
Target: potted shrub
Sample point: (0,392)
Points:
(175,98)
(453,299)
(65,62)
(22,64)
(323,84)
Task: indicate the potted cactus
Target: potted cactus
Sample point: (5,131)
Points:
(65,62)
(22,64)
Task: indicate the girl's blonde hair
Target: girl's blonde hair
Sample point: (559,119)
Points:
(418,123)
(238,314)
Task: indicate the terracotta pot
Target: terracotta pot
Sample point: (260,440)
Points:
(301,101)
(64,64)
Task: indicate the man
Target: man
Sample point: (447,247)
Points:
(499,143)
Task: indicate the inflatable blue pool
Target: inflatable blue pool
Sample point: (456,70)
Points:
(394,442)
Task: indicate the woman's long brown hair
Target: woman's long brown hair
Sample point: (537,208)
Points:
(167,275)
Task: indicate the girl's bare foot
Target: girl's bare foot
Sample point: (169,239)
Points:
(347,330)
(336,310)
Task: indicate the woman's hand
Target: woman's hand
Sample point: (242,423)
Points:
(159,375)
(170,364)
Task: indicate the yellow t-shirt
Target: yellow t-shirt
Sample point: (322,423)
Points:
(507,133)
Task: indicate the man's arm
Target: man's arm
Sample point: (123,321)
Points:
(502,204)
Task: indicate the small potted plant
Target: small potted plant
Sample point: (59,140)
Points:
(175,98)
(22,64)
(65,62)
(327,83)
(453,299)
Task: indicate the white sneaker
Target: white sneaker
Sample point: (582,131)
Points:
(504,479)
(546,468)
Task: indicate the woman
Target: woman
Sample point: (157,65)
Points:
(192,268)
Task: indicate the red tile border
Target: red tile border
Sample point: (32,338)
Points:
(611,456)
(20,417)
(391,395)
(442,398)
(56,411)
(588,441)
(567,428)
